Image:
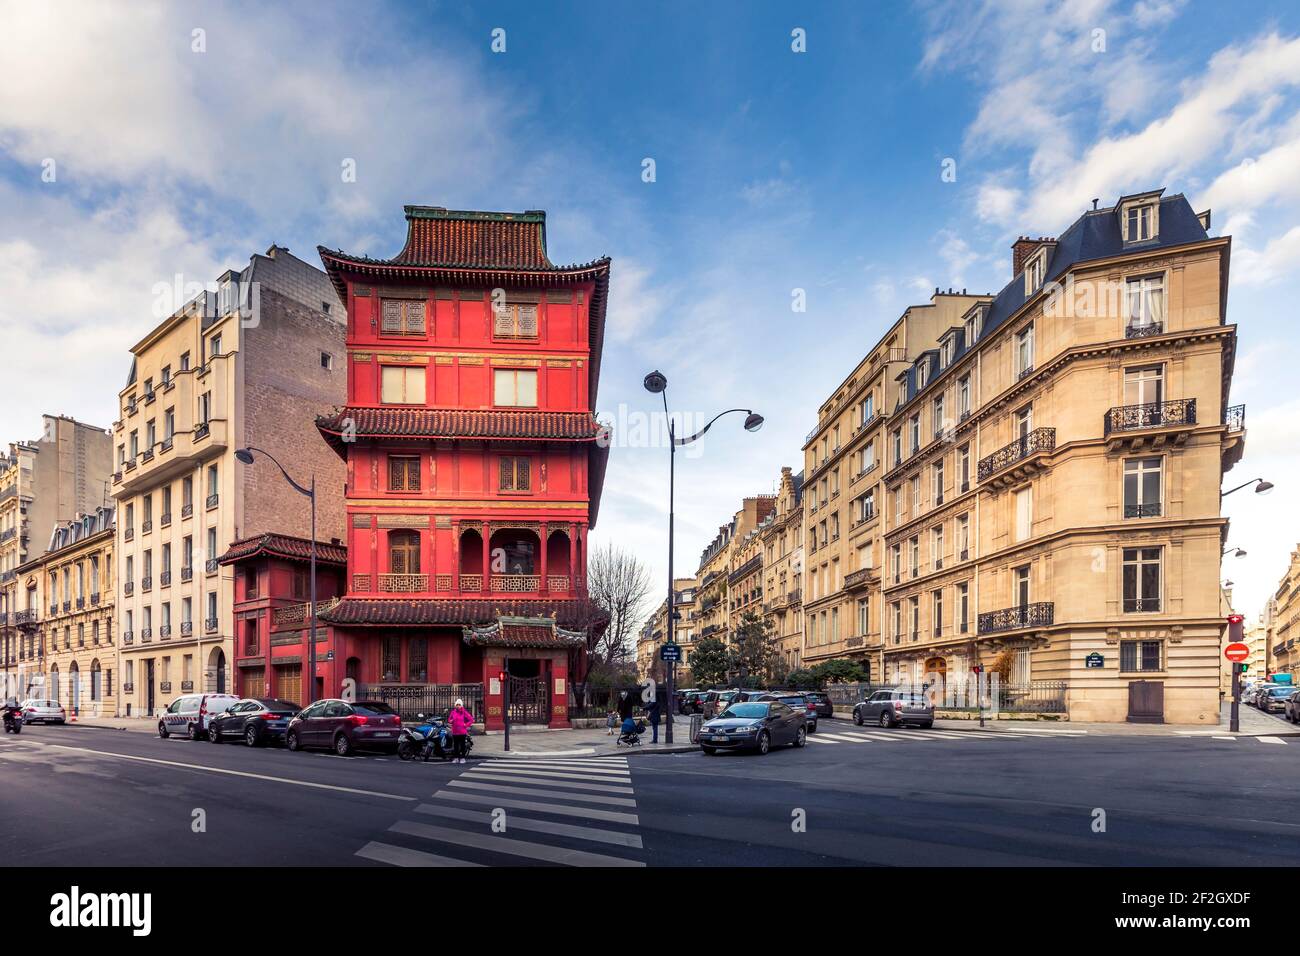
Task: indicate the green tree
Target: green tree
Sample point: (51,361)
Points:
(709,661)
(753,655)
(839,670)
(802,679)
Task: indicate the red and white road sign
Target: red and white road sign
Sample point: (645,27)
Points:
(1236,652)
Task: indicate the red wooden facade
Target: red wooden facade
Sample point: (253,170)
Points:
(474,460)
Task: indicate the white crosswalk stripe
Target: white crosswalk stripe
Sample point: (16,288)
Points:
(483,812)
(905,735)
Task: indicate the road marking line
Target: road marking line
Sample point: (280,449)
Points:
(515,822)
(540,792)
(585,767)
(553,753)
(590,813)
(557,774)
(1223,738)
(596,773)
(1272,740)
(945,734)
(497,844)
(819,739)
(236,773)
(484,777)
(401,856)
(842,738)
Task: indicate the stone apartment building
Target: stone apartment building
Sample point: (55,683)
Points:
(43,483)
(655,632)
(782,537)
(1044,484)
(248,365)
(67,650)
(1283,623)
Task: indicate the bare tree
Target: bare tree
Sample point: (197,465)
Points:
(619,583)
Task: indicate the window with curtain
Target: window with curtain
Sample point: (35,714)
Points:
(1024,513)
(514,387)
(401,384)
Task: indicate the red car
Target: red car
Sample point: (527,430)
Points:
(345,726)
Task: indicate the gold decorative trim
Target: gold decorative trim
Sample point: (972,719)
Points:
(451,504)
(511,360)
(443,360)
(556,363)
(362,356)
(442,521)
(406,357)
(361,521)
(467,360)
(404,521)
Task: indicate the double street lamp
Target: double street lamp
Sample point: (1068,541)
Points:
(657,384)
(245,455)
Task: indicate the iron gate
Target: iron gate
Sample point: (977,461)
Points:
(529,702)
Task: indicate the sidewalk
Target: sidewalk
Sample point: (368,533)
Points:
(145,725)
(595,742)
(1254,723)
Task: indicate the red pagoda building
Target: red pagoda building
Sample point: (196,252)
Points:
(474,465)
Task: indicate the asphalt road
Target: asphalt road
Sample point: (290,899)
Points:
(73,796)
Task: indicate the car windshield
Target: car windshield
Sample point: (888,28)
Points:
(793,701)
(1280,691)
(746,711)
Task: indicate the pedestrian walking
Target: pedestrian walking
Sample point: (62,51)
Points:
(652,711)
(611,722)
(461,720)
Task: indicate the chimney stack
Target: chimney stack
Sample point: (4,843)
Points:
(1022,249)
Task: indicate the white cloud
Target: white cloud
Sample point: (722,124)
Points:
(1279,258)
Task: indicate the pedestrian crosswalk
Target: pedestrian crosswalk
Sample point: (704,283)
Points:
(555,811)
(916,735)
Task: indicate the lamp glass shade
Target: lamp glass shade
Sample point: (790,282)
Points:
(244,455)
(753,422)
(1264,487)
(655,382)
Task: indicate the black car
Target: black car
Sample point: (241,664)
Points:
(256,720)
(754,725)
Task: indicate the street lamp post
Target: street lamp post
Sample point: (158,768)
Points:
(245,455)
(1262,487)
(657,384)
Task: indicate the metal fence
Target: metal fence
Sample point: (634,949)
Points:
(1032,697)
(847,695)
(428,699)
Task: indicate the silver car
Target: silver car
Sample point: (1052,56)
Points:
(39,711)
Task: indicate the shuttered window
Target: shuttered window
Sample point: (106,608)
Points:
(417,660)
(402,385)
(516,475)
(514,387)
(403,473)
(403,317)
(404,552)
(515,320)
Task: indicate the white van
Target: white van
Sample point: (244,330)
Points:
(190,714)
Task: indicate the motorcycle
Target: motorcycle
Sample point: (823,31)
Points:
(13,720)
(412,742)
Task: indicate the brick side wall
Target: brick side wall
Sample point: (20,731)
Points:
(285,388)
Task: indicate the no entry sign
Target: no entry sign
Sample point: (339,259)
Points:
(1236,652)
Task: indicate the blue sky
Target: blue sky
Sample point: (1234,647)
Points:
(775,171)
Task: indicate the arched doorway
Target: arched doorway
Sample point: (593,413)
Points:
(515,555)
(96,681)
(53,689)
(559,574)
(529,697)
(74,687)
(471,561)
(217,670)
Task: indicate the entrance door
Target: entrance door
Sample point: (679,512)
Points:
(288,683)
(150,702)
(529,700)
(1146,702)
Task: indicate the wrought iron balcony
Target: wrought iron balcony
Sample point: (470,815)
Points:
(212,501)
(1038,440)
(210,624)
(187,628)
(165,579)
(1140,330)
(1234,416)
(210,566)
(128,588)
(146,526)
(1124,418)
(1040,614)
(165,686)
(1141,605)
(187,510)
(146,635)
(1151,510)
(861,578)
(187,686)
(165,519)
(187,572)
(146,583)
(128,637)
(165,632)
(128,534)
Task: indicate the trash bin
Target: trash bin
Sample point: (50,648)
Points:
(697,721)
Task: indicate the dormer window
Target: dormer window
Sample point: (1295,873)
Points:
(1035,270)
(920,376)
(1139,222)
(974,325)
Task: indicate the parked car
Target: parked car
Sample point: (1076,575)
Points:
(693,701)
(754,725)
(1257,691)
(256,720)
(798,702)
(823,702)
(1292,710)
(190,714)
(344,726)
(893,708)
(36,710)
(716,701)
(1273,700)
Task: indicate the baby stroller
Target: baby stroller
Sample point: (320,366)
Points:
(631,733)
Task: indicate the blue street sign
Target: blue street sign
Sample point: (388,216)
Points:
(670,653)
(1094,660)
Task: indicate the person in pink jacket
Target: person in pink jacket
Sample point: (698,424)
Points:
(460,720)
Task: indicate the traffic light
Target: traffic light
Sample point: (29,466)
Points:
(1244,667)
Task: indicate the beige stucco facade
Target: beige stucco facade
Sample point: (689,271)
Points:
(783,536)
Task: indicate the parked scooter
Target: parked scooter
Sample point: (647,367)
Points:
(413,741)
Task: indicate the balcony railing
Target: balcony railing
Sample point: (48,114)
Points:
(860,578)
(187,686)
(1141,605)
(210,624)
(1151,510)
(165,686)
(187,510)
(128,588)
(210,566)
(1140,330)
(557,582)
(187,572)
(514,583)
(165,579)
(128,637)
(403,583)
(187,628)
(146,583)
(471,582)
(1040,614)
(1038,440)
(165,632)
(1124,418)
(1234,416)
(212,501)
(146,526)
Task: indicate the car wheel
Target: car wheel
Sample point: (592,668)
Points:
(857,716)
(342,745)
(801,738)
(764,742)
(709,751)
(162,730)
(291,741)
(192,731)
(250,736)
(885,719)
(927,725)
(812,728)
(213,734)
